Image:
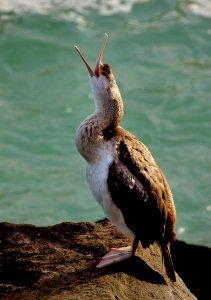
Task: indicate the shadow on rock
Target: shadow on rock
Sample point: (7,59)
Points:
(136,268)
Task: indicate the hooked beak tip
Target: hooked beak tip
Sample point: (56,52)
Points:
(97,70)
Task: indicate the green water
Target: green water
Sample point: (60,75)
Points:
(160,53)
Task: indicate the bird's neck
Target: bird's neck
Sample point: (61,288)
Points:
(90,134)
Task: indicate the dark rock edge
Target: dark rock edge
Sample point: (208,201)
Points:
(40,262)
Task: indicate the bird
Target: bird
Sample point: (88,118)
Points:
(122,173)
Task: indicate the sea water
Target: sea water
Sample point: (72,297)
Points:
(160,53)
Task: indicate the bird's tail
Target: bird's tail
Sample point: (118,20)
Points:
(168,263)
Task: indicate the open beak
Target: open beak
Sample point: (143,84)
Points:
(97,70)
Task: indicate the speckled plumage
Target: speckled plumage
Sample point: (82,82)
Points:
(122,174)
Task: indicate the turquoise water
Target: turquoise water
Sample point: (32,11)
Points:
(160,53)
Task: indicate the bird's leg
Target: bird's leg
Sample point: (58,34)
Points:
(118,254)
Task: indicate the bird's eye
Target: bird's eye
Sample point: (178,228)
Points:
(103,73)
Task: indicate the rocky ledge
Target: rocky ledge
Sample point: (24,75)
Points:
(58,262)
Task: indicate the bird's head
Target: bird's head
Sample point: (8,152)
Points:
(103,83)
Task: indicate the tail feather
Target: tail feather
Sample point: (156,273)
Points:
(168,263)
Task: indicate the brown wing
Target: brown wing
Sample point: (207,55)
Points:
(139,188)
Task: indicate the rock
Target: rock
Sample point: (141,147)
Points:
(58,262)
(193,264)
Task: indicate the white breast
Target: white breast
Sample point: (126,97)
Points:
(97,174)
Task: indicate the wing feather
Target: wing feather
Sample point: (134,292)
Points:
(139,188)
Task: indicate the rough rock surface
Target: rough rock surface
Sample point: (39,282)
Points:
(58,262)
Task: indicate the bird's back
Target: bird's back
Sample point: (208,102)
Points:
(140,190)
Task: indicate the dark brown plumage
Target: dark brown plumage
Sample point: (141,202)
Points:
(145,203)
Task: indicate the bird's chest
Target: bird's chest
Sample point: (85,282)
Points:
(97,175)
